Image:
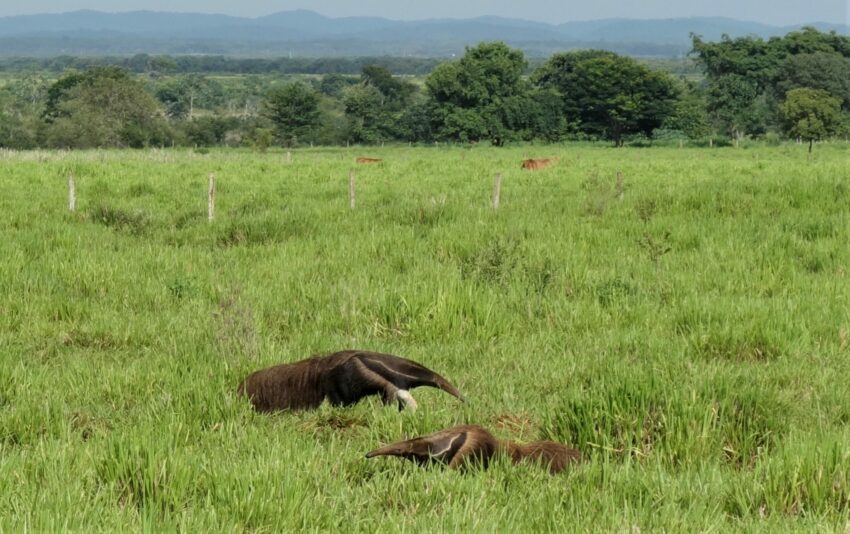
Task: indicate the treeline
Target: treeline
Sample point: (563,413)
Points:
(169,65)
(796,86)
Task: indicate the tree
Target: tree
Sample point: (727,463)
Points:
(15,130)
(210,131)
(417,122)
(827,71)
(609,95)
(469,95)
(690,115)
(103,107)
(740,71)
(810,114)
(368,121)
(160,65)
(748,77)
(20,107)
(732,104)
(751,58)
(374,107)
(397,93)
(294,111)
(181,96)
(537,114)
(332,85)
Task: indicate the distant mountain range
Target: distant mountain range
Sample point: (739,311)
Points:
(306,33)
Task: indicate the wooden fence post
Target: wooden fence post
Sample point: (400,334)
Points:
(351,188)
(289,156)
(211,198)
(72,194)
(497,191)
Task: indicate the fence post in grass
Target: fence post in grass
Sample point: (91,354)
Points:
(620,188)
(497,191)
(211,198)
(72,194)
(289,156)
(351,188)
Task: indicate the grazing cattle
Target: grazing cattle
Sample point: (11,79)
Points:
(464,444)
(343,378)
(537,164)
(367,161)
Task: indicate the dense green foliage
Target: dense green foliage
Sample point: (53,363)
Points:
(609,96)
(749,78)
(102,107)
(492,94)
(689,333)
(374,107)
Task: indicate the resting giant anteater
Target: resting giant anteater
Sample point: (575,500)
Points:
(463,444)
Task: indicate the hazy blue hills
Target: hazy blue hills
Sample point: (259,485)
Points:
(307,33)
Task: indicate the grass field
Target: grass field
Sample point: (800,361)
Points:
(691,337)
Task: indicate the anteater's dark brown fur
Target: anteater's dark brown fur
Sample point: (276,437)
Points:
(460,445)
(343,378)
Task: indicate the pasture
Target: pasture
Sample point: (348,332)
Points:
(689,332)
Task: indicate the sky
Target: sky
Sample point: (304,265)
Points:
(776,12)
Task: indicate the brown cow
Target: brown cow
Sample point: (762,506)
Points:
(367,161)
(537,164)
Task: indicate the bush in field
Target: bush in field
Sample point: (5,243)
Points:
(103,107)
(294,111)
(810,114)
(209,131)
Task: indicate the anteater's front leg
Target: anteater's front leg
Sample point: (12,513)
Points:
(389,391)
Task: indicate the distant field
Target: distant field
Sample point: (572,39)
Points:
(691,336)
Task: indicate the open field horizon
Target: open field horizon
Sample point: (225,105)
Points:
(689,333)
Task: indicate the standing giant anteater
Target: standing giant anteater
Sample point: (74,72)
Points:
(343,378)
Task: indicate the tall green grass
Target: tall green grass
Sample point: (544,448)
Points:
(689,336)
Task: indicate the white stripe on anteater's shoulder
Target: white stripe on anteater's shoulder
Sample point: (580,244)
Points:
(389,370)
(464,444)
(343,378)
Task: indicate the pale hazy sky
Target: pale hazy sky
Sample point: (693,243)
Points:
(778,12)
